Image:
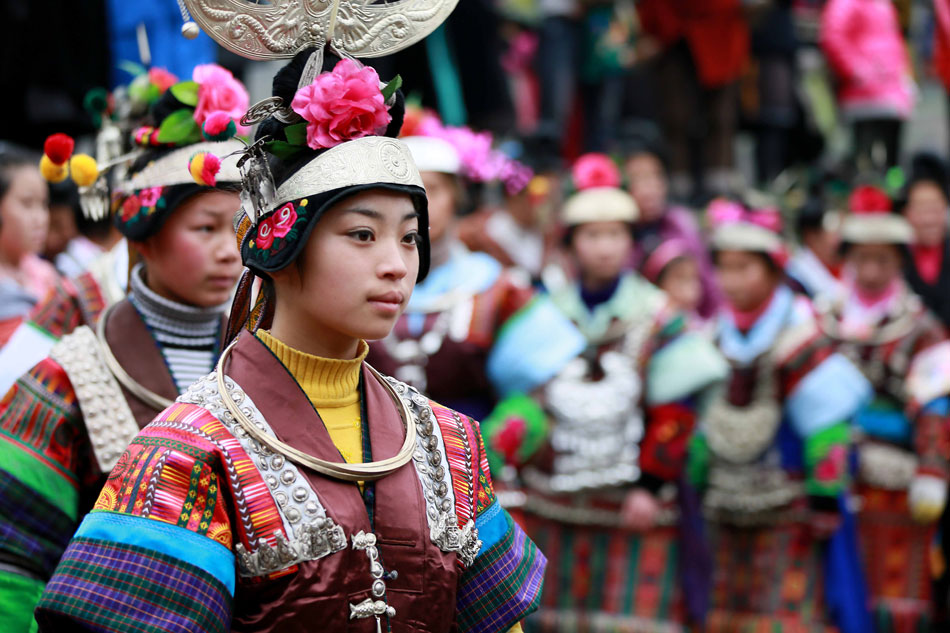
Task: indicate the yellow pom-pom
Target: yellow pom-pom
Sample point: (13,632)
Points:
(83,169)
(51,171)
(204,168)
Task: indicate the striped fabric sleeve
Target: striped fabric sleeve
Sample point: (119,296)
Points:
(503,585)
(45,462)
(156,552)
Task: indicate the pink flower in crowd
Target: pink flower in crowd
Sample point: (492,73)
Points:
(595,170)
(219,91)
(342,105)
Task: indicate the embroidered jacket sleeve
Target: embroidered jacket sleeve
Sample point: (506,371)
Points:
(530,339)
(46,468)
(503,584)
(679,366)
(821,391)
(928,385)
(155,554)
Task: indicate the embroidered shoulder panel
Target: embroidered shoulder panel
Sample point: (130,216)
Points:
(106,412)
(303,532)
(446,469)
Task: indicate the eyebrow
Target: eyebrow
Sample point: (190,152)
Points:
(376,215)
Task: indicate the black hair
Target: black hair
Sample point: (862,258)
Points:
(924,167)
(637,140)
(770,263)
(810,216)
(567,239)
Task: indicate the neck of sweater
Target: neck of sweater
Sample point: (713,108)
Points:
(187,335)
(328,382)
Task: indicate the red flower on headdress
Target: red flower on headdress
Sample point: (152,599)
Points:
(265,234)
(341,105)
(595,170)
(869,199)
(161,79)
(284,219)
(130,207)
(149,197)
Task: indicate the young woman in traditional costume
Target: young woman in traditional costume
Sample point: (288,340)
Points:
(123,117)
(904,450)
(771,452)
(295,486)
(474,332)
(600,485)
(65,422)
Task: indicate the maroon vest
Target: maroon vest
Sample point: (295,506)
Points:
(318,595)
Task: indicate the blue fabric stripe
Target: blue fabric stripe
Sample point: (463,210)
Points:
(171,540)
(832,392)
(533,346)
(940,406)
(492,526)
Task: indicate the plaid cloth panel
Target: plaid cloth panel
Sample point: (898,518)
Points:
(503,585)
(31,528)
(108,586)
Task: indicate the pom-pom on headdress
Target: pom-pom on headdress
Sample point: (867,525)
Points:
(737,227)
(598,196)
(871,219)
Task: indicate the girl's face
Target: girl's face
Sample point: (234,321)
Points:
(442,192)
(601,250)
(746,279)
(875,267)
(681,282)
(193,259)
(355,276)
(926,211)
(24,214)
(647,184)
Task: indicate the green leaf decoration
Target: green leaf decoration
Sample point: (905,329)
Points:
(296,134)
(179,127)
(391,88)
(186,92)
(133,68)
(282,150)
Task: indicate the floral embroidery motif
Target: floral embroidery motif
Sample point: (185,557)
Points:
(139,204)
(278,230)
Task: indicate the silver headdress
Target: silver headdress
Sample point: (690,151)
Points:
(283,28)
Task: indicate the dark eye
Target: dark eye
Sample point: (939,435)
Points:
(362,235)
(206,228)
(412,238)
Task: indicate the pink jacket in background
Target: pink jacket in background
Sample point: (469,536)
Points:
(865,49)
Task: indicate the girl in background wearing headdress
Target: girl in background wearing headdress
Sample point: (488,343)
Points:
(295,485)
(924,203)
(672,267)
(24,219)
(65,423)
(600,478)
(904,448)
(771,452)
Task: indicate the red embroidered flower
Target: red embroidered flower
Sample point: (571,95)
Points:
(219,91)
(509,440)
(265,234)
(342,105)
(130,207)
(595,170)
(284,219)
(149,197)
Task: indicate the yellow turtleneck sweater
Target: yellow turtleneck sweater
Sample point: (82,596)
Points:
(333,388)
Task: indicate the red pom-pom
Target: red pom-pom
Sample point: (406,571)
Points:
(869,199)
(59,148)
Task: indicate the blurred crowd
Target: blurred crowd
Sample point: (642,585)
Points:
(685,271)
